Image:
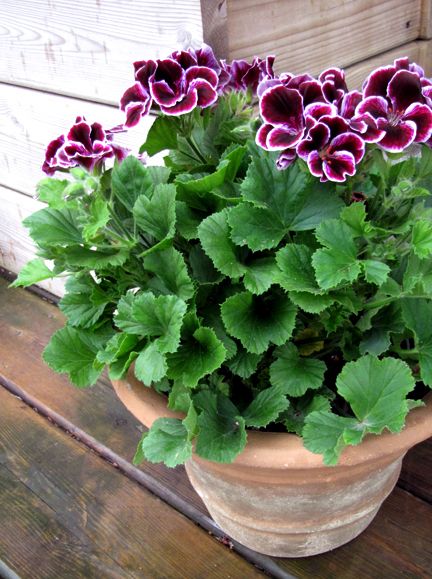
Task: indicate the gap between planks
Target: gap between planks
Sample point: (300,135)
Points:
(263,562)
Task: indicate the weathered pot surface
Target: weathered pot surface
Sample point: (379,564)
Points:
(277,497)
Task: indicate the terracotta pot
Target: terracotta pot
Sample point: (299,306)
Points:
(277,497)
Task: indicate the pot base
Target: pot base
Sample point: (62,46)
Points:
(287,520)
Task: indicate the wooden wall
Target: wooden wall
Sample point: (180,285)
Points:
(61,58)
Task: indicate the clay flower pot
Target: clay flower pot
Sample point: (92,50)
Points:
(277,497)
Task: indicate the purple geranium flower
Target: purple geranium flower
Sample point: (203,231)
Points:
(85,145)
(177,84)
(394,102)
(331,149)
(242,75)
(282,110)
(333,85)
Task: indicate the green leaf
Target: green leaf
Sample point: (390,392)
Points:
(129,180)
(422,239)
(139,453)
(51,191)
(179,398)
(417,314)
(97,217)
(355,217)
(119,367)
(118,346)
(187,220)
(200,354)
(157,216)
(33,272)
(294,374)
(266,407)
(293,198)
(260,275)
(324,433)
(202,267)
(74,352)
(258,321)
(167,441)
(161,136)
(158,317)
(77,304)
(214,234)
(54,227)
(257,227)
(375,272)
(376,390)
(297,273)
(171,273)
(244,363)
(222,433)
(311,303)
(338,261)
(95,259)
(376,334)
(299,409)
(151,365)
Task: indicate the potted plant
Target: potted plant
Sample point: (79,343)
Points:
(263,299)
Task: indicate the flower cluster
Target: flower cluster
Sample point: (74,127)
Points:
(186,80)
(326,125)
(85,145)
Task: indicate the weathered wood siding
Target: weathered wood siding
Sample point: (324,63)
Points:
(61,58)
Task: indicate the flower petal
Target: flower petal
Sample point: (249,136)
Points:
(283,106)
(185,105)
(282,138)
(375,106)
(261,135)
(315,164)
(205,92)
(202,72)
(163,94)
(421,115)
(338,166)
(349,103)
(80,132)
(404,89)
(317,138)
(377,82)
(397,137)
(351,143)
(285,159)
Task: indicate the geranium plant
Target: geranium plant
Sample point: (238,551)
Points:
(274,274)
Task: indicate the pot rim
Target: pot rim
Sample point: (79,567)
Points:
(283,450)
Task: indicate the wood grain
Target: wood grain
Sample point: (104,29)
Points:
(101,509)
(418,51)
(310,35)
(33,538)
(86,49)
(396,545)
(30,119)
(426,19)
(16,246)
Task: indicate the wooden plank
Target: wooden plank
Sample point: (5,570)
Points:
(426,19)
(86,49)
(418,51)
(25,325)
(100,508)
(416,473)
(30,119)
(16,246)
(32,538)
(215,31)
(310,35)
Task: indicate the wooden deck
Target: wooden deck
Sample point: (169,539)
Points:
(73,506)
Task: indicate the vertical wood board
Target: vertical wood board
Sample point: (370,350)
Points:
(86,48)
(310,35)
